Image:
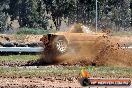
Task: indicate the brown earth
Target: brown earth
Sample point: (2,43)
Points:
(33,38)
(65,79)
(42,83)
(13,63)
(20,38)
(5,38)
(105,51)
(51,81)
(37,83)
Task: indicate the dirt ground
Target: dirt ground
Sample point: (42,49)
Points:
(43,83)
(37,83)
(104,51)
(53,77)
(20,38)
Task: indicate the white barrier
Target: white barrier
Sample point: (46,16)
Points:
(130,47)
(31,49)
(21,49)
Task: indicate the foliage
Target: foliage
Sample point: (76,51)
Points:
(18,57)
(30,13)
(66,71)
(3,13)
(34,31)
(113,14)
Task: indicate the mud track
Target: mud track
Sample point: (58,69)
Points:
(105,51)
(41,83)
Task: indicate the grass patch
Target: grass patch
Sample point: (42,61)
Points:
(65,71)
(122,33)
(35,72)
(19,57)
(114,70)
(35,31)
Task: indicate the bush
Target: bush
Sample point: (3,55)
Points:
(34,31)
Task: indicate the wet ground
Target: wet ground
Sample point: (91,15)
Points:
(46,83)
(115,61)
(57,76)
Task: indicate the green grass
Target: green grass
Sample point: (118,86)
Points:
(34,31)
(35,72)
(122,33)
(19,57)
(65,71)
(61,71)
(115,71)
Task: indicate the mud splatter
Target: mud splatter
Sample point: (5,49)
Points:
(104,51)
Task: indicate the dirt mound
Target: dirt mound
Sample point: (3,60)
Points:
(79,28)
(103,52)
(33,38)
(20,38)
(76,28)
(13,63)
(110,53)
(5,38)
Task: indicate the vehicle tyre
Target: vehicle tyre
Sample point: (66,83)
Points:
(1,44)
(9,44)
(60,44)
(21,45)
(33,45)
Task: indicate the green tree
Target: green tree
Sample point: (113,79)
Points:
(59,9)
(3,13)
(35,13)
(30,13)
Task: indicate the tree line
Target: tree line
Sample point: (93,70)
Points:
(113,14)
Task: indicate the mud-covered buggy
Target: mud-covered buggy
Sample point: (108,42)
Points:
(59,42)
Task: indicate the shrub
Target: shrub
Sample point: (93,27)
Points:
(34,31)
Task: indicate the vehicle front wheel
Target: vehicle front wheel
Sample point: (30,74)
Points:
(60,44)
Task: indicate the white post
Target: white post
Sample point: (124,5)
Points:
(96,16)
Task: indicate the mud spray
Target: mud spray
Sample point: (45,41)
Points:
(104,51)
